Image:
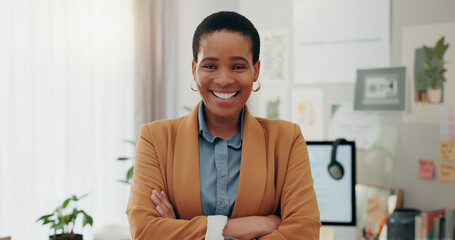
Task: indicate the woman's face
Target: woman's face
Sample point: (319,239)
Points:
(225,73)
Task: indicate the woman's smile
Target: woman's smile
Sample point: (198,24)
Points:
(224,96)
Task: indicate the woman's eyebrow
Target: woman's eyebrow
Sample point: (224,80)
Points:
(209,59)
(238,58)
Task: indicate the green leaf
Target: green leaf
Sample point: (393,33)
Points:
(130,141)
(45,217)
(66,202)
(83,196)
(123,158)
(428,52)
(426,65)
(130,173)
(87,219)
(441,62)
(47,221)
(440,42)
(439,48)
(187,108)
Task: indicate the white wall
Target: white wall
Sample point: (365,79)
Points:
(415,141)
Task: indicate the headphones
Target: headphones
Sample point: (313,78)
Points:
(335,168)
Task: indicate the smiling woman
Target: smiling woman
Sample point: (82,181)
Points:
(219,172)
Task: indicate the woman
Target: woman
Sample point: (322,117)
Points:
(219,172)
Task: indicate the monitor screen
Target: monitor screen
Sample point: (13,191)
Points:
(335,189)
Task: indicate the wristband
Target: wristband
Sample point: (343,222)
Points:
(215,227)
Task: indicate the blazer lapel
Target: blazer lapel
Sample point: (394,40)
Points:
(253,168)
(186,168)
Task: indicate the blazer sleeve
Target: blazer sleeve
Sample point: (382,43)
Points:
(145,222)
(299,208)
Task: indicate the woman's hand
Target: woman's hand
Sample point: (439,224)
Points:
(241,228)
(163,206)
(251,227)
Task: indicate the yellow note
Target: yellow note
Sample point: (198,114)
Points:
(374,210)
(447,172)
(447,150)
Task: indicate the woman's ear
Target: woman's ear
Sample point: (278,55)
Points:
(256,68)
(194,66)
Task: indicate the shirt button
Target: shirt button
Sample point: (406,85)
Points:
(223,204)
(222,173)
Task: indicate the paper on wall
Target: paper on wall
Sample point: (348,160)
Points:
(355,126)
(274,55)
(447,172)
(426,169)
(447,150)
(334,38)
(306,110)
(447,124)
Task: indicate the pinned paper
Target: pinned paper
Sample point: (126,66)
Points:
(447,150)
(447,172)
(374,209)
(426,169)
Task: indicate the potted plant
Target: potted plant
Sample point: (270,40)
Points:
(434,69)
(63,220)
(129,174)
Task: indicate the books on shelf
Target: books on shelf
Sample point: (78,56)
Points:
(427,221)
(449,223)
(436,224)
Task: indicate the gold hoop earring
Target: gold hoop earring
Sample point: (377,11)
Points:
(259,86)
(191,86)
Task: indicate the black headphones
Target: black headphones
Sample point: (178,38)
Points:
(335,168)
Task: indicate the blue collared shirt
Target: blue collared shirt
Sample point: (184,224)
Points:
(219,168)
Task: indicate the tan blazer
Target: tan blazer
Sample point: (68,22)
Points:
(274,177)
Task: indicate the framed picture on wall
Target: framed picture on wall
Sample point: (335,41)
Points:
(381,89)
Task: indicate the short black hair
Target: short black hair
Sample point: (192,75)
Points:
(230,21)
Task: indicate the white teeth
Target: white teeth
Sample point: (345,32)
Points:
(224,95)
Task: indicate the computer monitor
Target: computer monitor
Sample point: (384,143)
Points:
(335,187)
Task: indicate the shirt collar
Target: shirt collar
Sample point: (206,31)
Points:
(234,141)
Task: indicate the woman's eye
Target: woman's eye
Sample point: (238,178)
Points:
(238,67)
(210,67)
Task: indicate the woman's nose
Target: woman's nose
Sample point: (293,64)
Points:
(224,77)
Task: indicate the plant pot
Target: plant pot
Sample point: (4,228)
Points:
(66,237)
(422,96)
(434,95)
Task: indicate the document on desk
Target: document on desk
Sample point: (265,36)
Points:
(332,39)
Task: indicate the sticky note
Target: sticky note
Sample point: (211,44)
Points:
(374,210)
(447,150)
(426,169)
(447,172)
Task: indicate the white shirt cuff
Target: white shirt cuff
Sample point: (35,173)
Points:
(215,227)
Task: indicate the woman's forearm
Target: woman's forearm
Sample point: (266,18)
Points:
(240,228)
(251,227)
